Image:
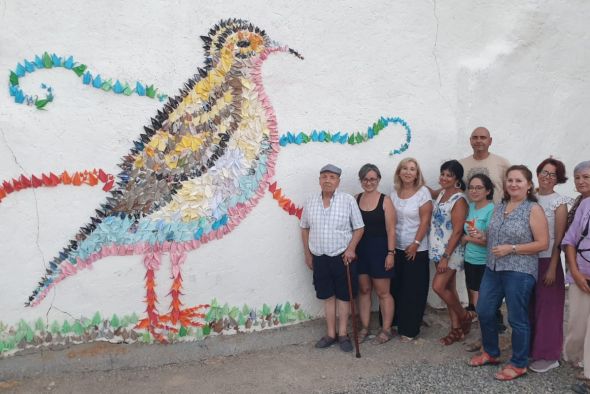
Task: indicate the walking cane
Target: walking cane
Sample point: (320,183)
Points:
(352,311)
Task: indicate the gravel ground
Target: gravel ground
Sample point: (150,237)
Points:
(422,366)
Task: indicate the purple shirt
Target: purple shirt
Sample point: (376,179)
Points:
(573,234)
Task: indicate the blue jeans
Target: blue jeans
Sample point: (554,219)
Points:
(517,288)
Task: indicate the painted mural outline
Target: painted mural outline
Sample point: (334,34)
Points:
(197,171)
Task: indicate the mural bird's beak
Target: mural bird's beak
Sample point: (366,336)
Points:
(283,48)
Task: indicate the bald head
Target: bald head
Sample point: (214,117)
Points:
(481,131)
(480,142)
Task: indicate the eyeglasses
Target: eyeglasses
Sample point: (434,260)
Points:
(477,188)
(548,174)
(370,180)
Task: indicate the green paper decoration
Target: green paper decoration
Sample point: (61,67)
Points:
(47,63)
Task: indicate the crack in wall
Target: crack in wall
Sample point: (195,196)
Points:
(434,47)
(436,42)
(37,234)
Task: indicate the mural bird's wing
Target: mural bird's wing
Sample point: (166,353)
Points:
(183,143)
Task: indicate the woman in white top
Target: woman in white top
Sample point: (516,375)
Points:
(548,304)
(409,286)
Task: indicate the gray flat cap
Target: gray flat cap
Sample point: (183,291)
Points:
(331,168)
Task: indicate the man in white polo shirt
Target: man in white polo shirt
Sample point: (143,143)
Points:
(331,227)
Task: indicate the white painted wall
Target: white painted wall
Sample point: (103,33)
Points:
(519,68)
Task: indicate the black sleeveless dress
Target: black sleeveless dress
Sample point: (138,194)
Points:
(372,249)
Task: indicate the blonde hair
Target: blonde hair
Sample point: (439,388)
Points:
(418,182)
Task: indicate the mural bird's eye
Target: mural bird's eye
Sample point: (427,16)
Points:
(243,43)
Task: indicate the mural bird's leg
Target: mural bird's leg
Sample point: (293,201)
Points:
(177,258)
(188,317)
(152,323)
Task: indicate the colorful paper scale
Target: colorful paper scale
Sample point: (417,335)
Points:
(92,178)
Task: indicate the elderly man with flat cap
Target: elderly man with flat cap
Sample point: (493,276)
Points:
(331,227)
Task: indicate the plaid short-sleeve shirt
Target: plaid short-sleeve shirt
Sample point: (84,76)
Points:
(330,229)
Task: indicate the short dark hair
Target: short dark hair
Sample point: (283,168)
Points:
(524,170)
(456,169)
(559,169)
(365,170)
(487,183)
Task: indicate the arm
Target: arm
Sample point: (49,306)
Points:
(390,220)
(425,212)
(458,215)
(559,231)
(433,193)
(349,254)
(570,257)
(306,251)
(540,230)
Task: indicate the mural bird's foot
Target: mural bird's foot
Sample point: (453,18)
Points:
(155,326)
(188,317)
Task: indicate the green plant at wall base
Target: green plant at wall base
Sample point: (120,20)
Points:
(25,334)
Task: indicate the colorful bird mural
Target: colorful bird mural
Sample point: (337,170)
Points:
(197,170)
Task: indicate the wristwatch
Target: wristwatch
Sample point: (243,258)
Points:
(445,256)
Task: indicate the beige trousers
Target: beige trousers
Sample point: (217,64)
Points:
(577,338)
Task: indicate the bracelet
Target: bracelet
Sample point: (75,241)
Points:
(513,249)
(445,256)
(417,242)
(391,252)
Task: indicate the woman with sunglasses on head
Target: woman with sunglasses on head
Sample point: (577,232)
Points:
(518,231)
(576,245)
(549,301)
(481,207)
(376,252)
(446,251)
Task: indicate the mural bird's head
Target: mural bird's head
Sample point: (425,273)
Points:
(237,38)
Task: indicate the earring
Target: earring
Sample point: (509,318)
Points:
(458,185)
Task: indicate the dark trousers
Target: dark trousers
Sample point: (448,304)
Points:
(409,288)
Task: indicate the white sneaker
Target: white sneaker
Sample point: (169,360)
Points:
(541,366)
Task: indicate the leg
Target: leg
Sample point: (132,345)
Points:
(547,316)
(443,285)
(343,313)
(385,301)
(365,299)
(413,293)
(518,288)
(577,326)
(330,314)
(151,261)
(491,295)
(177,259)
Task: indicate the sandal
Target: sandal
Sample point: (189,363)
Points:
(467,320)
(364,334)
(510,372)
(383,337)
(483,359)
(455,335)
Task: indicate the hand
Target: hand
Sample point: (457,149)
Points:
(348,256)
(411,251)
(389,262)
(549,278)
(581,282)
(309,261)
(502,250)
(442,266)
(464,239)
(475,233)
